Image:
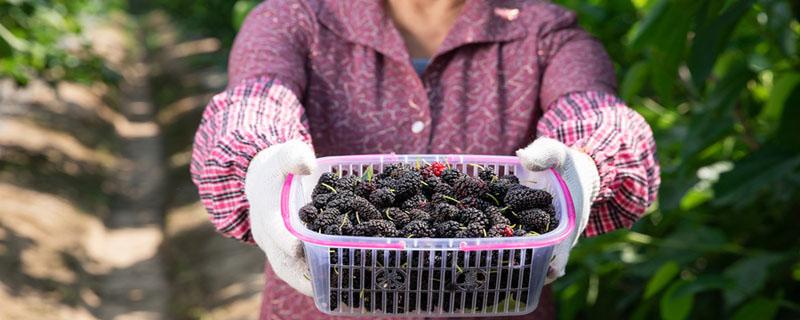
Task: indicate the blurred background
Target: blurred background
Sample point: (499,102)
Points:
(99,101)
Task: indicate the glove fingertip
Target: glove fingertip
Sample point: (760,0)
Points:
(532,161)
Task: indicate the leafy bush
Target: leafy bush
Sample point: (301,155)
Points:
(719,82)
(45,38)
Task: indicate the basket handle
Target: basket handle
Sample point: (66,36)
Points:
(287,222)
(463,246)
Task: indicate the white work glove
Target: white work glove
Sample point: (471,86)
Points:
(265,177)
(580,174)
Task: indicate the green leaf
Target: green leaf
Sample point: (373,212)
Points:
(240,10)
(677,301)
(749,275)
(778,96)
(780,26)
(634,80)
(367,176)
(11,40)
(711,38)
(760,308)
(649,27)
(715,119)
(758,171)
(674,306)
(661,278)
(668,46)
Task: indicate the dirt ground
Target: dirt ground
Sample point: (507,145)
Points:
(98,216)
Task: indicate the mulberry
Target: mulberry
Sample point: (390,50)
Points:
(348,183)
(521,198)
(486,174)
(389,171)
(308,213)
(473,230)
(404,187)
(325,184)
(447,229)
(496,216)
(500,230)
(475,202)
(450,175)
(499,188)
(365,188)
(444,211)
(417,229)
(433,170)
(536,220)
(416,202)
(466,186)
(375,228)
(510,178)
(360,207)
(383,197)
(326,218)
(416,214)
(342,228)
(444,189)
(321,200)
(472,215)
(399,217)
(431,184)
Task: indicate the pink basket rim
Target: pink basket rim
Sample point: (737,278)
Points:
(400,243)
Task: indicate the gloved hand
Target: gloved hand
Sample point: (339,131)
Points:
(265,177)
(580,174)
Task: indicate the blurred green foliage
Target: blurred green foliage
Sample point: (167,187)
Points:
(47,39)
(719,82)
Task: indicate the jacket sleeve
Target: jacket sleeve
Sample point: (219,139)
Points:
(621,144)
(236,125)
(261,107)
(582,111)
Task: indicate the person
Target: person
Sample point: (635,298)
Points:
(314,78)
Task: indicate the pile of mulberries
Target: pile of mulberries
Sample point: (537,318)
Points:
(430,201)
(426,201)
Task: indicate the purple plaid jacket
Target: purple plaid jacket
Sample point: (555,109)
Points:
(337,75)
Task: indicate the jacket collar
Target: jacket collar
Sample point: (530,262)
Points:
(366,22)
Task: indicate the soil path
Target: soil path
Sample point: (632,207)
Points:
(99,218)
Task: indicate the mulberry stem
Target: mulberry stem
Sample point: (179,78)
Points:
(328,186)
(451,199)
(493,198)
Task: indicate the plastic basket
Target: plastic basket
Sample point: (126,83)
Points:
(425,276)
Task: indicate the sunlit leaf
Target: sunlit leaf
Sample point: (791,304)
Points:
(779,22)
(759,171)
(662,277)
(716,118)
(711,38)
(781,89)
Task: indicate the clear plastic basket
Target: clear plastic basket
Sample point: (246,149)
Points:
(424,276)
